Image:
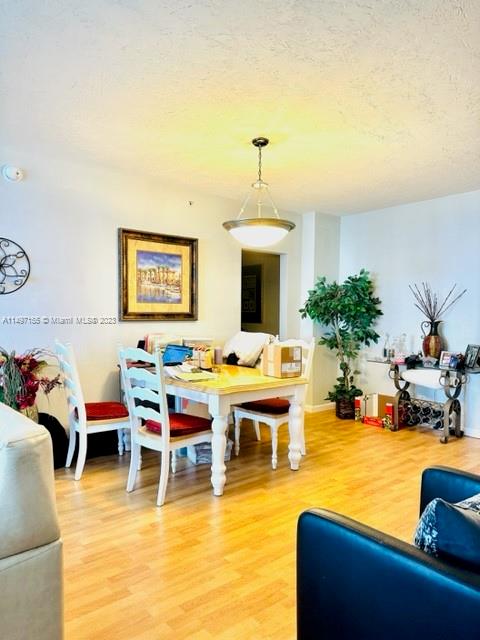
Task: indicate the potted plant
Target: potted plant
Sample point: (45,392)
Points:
(348,313)
(20,379)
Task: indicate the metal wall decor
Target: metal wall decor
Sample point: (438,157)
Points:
(14,266)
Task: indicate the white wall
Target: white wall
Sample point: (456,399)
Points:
(435,241)
(320,257)
(66,214)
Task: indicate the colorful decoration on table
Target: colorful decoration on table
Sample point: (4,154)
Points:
(428,362)
(450,360)
(202,357)
(21,378)
(14,266)
(427,302)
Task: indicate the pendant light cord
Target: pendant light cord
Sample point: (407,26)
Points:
(262,186)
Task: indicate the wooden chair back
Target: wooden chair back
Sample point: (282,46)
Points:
(71,382)
(144,382)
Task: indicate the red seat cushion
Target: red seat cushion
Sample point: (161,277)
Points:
(105,410)
(271,405)
(181,424)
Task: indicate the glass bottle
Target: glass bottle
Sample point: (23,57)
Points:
(386,346)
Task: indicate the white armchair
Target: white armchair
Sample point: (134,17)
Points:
(31,584)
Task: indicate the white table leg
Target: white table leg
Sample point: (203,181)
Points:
(219,442)
(295,430)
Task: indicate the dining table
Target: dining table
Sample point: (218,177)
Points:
(232,385)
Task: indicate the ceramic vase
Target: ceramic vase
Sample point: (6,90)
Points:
(432,342)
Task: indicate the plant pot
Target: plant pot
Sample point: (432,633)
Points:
(31,412)
(345,409)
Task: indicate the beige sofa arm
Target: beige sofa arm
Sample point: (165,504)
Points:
(31,582)
(27,492)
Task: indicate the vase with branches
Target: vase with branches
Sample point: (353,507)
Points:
(428,302)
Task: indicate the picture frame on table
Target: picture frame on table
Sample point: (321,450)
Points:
(157,276)
(448,360)
(472,355)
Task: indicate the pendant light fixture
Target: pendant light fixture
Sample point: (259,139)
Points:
(259,231)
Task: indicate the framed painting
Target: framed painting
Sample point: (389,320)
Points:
(251,293)
(158,276)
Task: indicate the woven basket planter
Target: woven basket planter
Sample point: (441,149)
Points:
(345,409)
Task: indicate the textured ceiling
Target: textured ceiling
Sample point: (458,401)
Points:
(366,103)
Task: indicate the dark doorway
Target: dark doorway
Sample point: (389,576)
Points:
(260,292)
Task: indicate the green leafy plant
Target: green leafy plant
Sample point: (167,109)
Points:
(348,313)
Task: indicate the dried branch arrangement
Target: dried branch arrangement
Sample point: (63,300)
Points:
(427,301)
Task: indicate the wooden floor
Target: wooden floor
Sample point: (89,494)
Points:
(203,567)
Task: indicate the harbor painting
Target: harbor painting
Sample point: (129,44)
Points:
(158,276)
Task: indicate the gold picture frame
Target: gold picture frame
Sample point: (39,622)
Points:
(158,276)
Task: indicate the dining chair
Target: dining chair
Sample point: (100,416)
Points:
(273,411)
(86,418)
(144,387)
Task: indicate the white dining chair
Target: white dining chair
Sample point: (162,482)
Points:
(86,418)
(273,411)
(143,382)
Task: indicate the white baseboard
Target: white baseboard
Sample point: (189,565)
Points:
(315,408)
(473,433)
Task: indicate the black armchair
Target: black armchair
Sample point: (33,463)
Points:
(356,583)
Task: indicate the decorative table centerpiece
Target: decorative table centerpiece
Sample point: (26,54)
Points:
(426,300)
(21,378)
